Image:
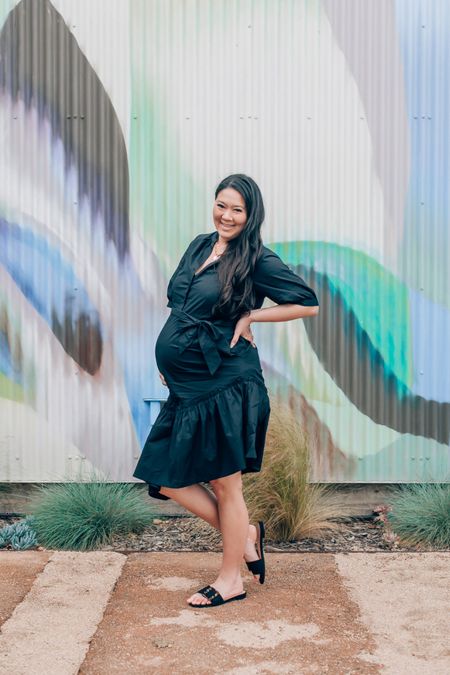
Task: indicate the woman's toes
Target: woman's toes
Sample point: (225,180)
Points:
(203,601)
(197,599)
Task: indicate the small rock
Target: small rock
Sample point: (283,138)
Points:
(162,644)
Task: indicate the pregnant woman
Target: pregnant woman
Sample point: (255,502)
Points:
(212,427)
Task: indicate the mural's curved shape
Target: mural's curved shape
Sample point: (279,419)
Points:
(367,34)
(370,368)
(62,301)
(42,66)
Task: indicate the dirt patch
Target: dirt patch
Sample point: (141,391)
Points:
(18,570)
(301,620)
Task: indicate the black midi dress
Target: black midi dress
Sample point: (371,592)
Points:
(215,418)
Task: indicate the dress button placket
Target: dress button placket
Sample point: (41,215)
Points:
(187,290)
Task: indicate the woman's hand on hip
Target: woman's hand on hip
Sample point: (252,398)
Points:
(242,329)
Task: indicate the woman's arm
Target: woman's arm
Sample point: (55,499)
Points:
(284,312)
(272,278)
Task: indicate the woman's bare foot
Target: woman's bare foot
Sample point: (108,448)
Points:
(226,587)
(250,552)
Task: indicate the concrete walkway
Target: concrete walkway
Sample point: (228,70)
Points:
(101,613)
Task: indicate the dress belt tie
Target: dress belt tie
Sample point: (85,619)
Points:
(210,338)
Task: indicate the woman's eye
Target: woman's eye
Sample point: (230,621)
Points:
(237,210)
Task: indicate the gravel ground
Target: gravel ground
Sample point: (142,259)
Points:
(192,534)
(189,533)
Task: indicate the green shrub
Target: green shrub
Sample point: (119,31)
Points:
(82,516)
(420,514)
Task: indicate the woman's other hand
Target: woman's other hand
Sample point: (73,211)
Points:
(242,329)
(163,380)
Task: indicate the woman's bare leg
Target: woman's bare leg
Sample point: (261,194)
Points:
(233,516)
(197,499)
(200,501)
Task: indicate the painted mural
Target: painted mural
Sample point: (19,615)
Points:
(117,120)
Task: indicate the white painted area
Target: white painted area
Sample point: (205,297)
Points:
(404,599)
(171,583)
(268,667)
(268,92)
(29,442)
(50,630)
(187,618)
(267,634)
(258,635)
(89,413)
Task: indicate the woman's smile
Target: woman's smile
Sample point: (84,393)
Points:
(229,204)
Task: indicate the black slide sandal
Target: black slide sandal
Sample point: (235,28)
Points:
(215,598)
(258,566)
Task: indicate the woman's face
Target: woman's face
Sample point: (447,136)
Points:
(229,214)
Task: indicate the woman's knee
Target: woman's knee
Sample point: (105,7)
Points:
(227,485)
(173,492)
(170,492)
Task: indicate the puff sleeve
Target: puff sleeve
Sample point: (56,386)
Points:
(273,279)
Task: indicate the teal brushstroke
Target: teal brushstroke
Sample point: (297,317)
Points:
(378,298)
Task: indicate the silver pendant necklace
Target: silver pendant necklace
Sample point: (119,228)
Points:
(217,255)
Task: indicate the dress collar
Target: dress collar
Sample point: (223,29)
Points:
(211,240)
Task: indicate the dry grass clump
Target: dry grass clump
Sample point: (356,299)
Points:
(280,494)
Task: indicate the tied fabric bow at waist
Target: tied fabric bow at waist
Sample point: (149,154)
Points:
(210,338)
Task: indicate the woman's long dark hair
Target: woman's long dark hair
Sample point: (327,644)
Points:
(235,269)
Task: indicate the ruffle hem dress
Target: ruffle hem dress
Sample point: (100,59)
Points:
(215,419)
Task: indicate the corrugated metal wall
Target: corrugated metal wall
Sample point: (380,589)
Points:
(119,118)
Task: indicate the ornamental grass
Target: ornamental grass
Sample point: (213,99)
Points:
(84,515)
(281,494)
(420,514)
